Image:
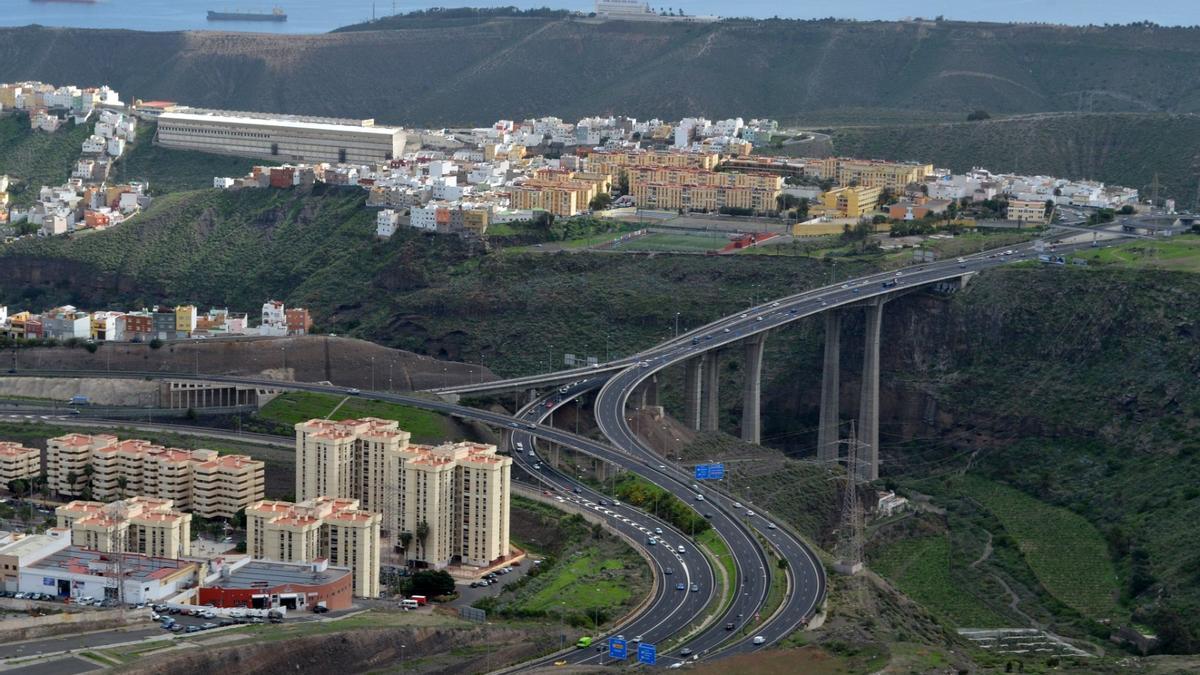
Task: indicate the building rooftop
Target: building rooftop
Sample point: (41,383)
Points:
(269,574)
(364,127)
(76,560)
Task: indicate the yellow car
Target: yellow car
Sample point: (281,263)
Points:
(560,662)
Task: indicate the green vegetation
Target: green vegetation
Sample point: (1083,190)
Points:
(37,158)
(1179,253)
(315,248)
(546,228)
(1068,554)
(675,242)
(169,170)
(586,576)
(643,494)
(920,567)
(291,407)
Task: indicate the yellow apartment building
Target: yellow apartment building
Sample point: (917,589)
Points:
(18,462)
(185,318)
(139,524)
(869,172)
(451,500)
(850,202)
(1028,211)
(327,528)
(201,481)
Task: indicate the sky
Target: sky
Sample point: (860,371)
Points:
(315,16)
(1166,12)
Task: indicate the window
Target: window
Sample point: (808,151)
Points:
(274,148)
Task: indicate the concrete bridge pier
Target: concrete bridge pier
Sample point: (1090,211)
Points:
(692,392)
(868,406)
(830,419)
(650,391)
(710,408)
(752,389)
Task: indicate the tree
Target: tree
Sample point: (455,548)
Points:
(405,539)
(782,563)
(72,478)
(979,116)
(600,202)
(422,532)
(623,182)
(432,583)
(18,486)
(122,482)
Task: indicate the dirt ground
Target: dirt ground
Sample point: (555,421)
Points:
(342,361)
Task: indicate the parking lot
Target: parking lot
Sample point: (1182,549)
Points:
(468,595)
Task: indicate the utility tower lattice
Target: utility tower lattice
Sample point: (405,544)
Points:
(851,545)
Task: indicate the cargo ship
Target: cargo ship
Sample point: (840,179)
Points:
(276,14)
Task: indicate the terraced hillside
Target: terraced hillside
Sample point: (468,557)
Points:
(514,66)
(1117,148)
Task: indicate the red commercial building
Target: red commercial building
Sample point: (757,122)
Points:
(282,177)
(298,321)
(264,584)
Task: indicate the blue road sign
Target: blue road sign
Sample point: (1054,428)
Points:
(647,654)
(701,472)
(716,471)
(616,649)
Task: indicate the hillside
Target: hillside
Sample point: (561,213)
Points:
(475,70)
(1077,387)
(433,295)
(1121,148)
(36,158)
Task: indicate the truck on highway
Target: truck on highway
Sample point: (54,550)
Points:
(889,283)
(583,642)
(78,399)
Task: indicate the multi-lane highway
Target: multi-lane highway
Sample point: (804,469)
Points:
(748,587)
(678,565)
(744,534)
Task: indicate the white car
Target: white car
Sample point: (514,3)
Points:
(658,530)
(749,514)
(770,526)
(737,505)
(758,639)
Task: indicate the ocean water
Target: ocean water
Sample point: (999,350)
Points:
(318,16)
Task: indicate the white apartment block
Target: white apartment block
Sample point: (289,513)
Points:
(451,501)
(386,222)
(287,138)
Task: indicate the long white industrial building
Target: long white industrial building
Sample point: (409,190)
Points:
(284,138)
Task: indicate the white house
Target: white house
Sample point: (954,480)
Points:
(423,218)
(274,319)
(94,145)
(386,222)
(222,183)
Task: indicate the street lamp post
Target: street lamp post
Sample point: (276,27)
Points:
(372,373)
(402,658)
(676,324)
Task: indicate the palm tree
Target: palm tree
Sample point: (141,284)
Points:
(122,481)
(422,534)
(72,478)
(405,540)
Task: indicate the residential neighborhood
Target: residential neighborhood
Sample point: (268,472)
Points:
(180,322)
